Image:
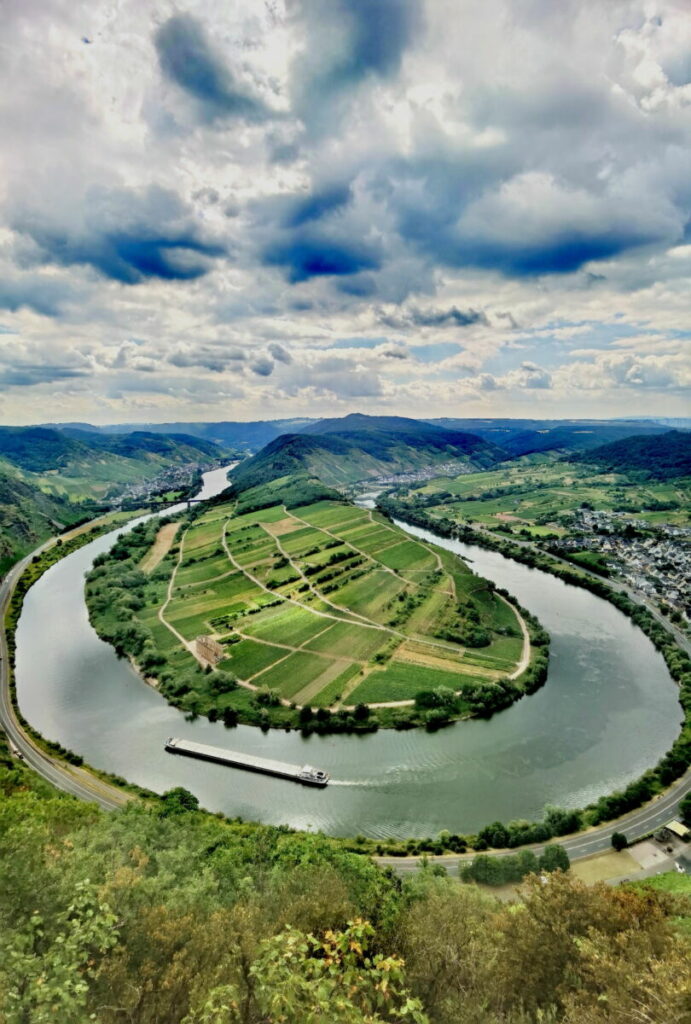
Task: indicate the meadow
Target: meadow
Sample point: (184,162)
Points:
(324,606)
(538,496)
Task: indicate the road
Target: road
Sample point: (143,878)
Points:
(77,781)
(85,786)
(634,825)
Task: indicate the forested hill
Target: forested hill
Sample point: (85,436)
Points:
(366,448)
(527,437)
(161,913)
(42,471)
(28,516)
(43,449)
(661,457)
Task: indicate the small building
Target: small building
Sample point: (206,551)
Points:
(209,649)
(678,829)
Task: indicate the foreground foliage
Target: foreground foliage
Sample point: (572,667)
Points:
(160,914)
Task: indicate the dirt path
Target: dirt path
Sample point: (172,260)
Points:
(362,619)
(291,600)
(422,544)
(380,566)
(169,596)
(525,653)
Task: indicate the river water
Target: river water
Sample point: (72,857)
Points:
(608,711)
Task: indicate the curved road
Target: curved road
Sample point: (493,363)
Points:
(77,781)
(85,786)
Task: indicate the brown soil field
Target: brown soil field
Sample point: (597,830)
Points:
(160,547)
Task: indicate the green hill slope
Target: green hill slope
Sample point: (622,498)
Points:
(28,516)
(366,448)
(80,464)
(660,457)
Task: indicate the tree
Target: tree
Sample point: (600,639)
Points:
(554,858)
(47,966)
(685,810)
(619,841)
(178,801)
(300,977)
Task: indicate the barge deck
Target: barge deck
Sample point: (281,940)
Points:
(304,774)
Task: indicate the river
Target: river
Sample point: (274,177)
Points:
(608,711)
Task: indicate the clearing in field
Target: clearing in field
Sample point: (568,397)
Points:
(329,605)
(160,547)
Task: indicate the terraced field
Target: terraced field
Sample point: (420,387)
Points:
(329,605)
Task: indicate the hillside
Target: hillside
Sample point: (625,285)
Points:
(526,437)
(159,912)
(79,463)
(28,516)
(660,457)
(248,436)
(365,448)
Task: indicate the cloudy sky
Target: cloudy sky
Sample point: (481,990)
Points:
(264,208)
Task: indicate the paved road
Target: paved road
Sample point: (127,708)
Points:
(634,825)
(69,778)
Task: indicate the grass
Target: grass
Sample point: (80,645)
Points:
(406,555)
(345,640)
(288,625)
(402,681)
(249,657)
(293,674)
(670,881)
(547,491)
(355,569)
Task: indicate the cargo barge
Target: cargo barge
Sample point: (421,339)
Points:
(304,774)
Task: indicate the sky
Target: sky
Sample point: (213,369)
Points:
(260,209)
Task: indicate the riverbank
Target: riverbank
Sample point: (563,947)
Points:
(74,689)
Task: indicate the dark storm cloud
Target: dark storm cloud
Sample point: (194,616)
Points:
(280,353)
(28,374)
(452,317)
(305,256)
(324,201)
(126,235)
(263,366)
(187,58)
(216,358)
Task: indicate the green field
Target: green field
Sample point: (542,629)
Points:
(324,605)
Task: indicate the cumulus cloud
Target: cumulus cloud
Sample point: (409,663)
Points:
(346,42)
(187,58)
(452,317)
(124,234)
(275,178)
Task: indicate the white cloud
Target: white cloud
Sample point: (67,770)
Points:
(181,234)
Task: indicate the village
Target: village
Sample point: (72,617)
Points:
(654,559)
(175,479)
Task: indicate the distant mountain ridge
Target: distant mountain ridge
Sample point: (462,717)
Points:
(365,448)
(43,449)
(661,457)
(516,436)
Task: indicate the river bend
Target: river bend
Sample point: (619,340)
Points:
(608,711)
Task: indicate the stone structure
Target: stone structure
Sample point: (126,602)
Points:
(209,649)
